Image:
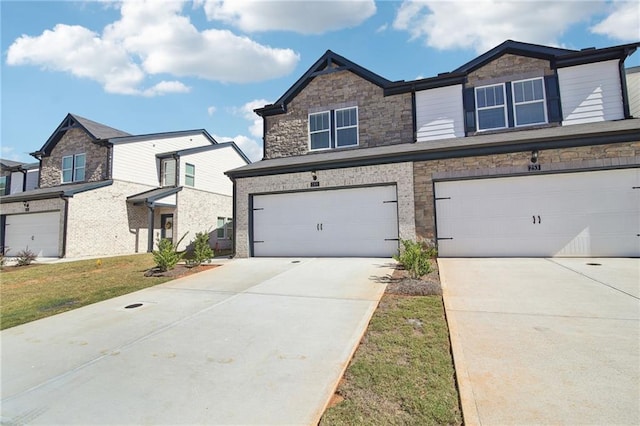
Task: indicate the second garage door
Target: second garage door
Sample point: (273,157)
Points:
(586,214)
(342,222)
(39,232)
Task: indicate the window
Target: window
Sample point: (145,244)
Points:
(229,228)
(224,229)
(168,168)
(319,131)
(73,168)
(528,102)
(3,185)
(490,107)
(333,129)
(190,174)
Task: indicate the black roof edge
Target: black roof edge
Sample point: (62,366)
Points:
(149,136)
(544,143)
(513,47)
(198,149)
(162,193)
(279,106)
(62,192)
(596,55)
(447,79)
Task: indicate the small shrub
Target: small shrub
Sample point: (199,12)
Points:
(201,249)
(167,255)
(3,252)
(25,257)
(415,259)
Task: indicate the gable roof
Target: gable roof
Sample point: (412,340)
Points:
(560,57)
(96,131)
(328,63)
(189,151)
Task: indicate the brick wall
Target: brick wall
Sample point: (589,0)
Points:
(101,222)
(509,67)
(401,174)
(382,120)
(588,157)
(74,141)
(198,211)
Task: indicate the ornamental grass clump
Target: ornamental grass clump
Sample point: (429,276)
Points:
(415,258)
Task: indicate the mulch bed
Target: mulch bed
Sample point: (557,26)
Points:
(401,284)
(180,270)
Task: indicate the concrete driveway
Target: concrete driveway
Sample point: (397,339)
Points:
(545,341)
(255,341)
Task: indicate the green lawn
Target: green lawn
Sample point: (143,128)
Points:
(402,372)
(32,292)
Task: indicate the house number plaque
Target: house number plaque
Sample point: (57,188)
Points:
(315,184)
(535,167)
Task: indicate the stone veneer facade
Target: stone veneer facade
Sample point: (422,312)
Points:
(565,159)
(507,68)
(198,211)
(400,174)
(75,141)
(381,120)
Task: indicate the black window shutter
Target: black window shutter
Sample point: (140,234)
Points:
(509,104)
(554,109)
(469,105)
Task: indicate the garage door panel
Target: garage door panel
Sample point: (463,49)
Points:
(341,222)
(570,214)
(39,232)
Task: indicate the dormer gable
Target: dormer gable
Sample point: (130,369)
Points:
(328,63)
(95,131)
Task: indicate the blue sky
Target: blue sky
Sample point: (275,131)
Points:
(155,66)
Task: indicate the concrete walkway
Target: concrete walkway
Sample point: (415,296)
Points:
(255,341)
(545,341)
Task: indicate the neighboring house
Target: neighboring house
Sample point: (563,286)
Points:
(102,191)
(526,150)
(17,177)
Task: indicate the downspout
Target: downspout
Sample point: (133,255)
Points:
(64,225)
(414,114)
(235,219)
(623,87)
(151,225)
(24,178)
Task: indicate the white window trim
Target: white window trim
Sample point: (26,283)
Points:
(348,127)
(333,129)
(319,131)
(187,175)
(543,100)
(504,107)
(73,168)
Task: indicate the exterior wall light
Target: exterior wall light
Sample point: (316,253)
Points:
(534,156)
(314,175)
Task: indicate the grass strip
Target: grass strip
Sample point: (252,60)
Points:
(402,372)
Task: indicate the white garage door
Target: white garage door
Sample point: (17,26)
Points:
(344,222)
(570,214)
(40,232)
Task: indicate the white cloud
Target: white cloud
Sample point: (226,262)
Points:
(211,110)
(251,148)
(305,17)
(483,24)
(246,111)
(165,87)
(151,38)
(623,23)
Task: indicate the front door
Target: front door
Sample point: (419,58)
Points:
(166,222)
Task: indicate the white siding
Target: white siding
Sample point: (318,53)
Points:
(439,113)
(136,161)
(633,90)
(210,168)
(591,93)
